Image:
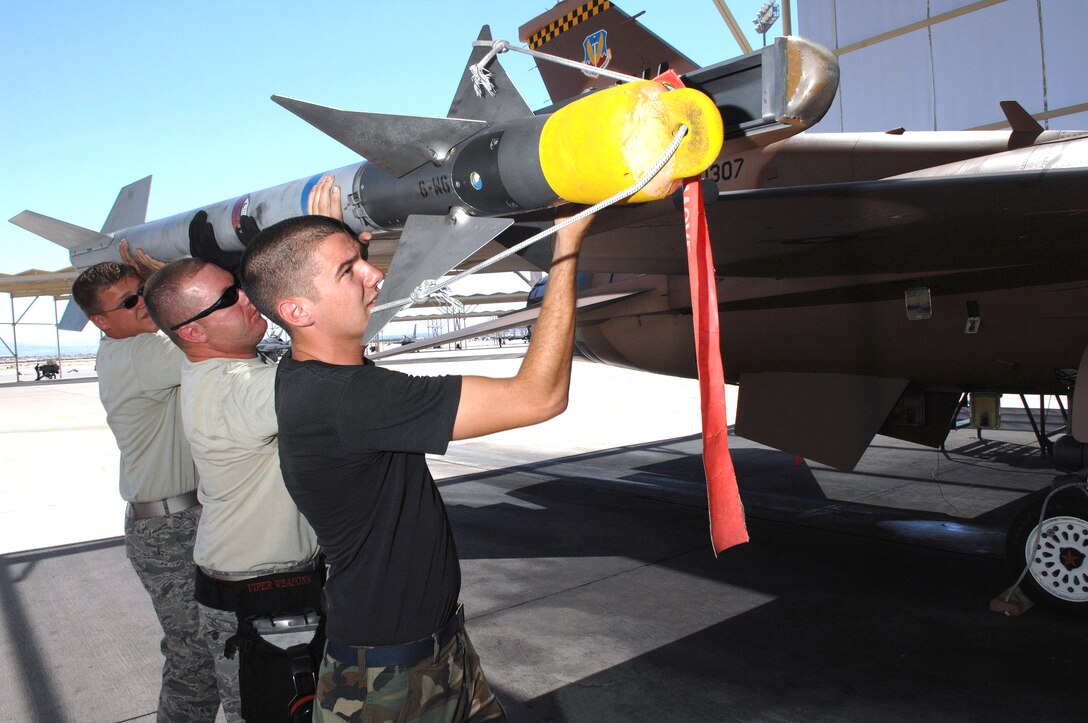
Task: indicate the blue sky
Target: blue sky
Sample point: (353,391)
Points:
(97,95)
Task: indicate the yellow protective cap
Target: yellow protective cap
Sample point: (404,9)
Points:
(600,145)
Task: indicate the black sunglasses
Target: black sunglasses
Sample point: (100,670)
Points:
(129,301)
(228,299)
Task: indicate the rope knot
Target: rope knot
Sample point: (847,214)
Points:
(423,291)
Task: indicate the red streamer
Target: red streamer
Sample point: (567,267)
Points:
(727,526)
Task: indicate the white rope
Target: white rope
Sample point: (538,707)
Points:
(481,78)
(431,287)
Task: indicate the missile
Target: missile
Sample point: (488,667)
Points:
(450,185)
(584,153)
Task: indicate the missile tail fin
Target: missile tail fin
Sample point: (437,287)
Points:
(73,319)
(504,105)
(395,143)
(429,247)
(130,208)
(59,232)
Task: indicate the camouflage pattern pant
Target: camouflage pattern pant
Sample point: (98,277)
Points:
(215,627)
(449,686)
(161,551)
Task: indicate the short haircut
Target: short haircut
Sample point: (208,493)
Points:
(282,261)
(92,281)
(164,296)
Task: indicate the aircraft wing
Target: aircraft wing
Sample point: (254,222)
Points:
(890,226)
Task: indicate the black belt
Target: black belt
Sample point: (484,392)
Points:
(280,591)
(404,654)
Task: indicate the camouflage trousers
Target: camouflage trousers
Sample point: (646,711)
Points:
(215,627)
(448,686)
(161,551)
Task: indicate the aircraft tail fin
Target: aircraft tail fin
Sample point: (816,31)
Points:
(130,208)
(395,143)
(504,104)
(588,33)
(59,232)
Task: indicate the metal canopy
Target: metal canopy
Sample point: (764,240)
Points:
(35,282)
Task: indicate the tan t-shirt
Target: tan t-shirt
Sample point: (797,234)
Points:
(138,380)
(250,524)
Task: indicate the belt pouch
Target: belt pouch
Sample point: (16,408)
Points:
(280,639)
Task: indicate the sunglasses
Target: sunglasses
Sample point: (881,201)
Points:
(228,299)
(129,302)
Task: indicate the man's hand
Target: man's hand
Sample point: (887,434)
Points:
(144,263)
(570,237)
(324,199)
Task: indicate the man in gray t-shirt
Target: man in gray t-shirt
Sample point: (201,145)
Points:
(138,376)
(250,527)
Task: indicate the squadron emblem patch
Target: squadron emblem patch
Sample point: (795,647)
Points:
(596,51)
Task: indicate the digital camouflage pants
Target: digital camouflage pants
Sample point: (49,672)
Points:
(215,627)
(447,687)
(161,551)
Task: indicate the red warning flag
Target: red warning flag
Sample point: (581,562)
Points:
(727,526)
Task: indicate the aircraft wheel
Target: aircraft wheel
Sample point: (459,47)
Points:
(1057,575)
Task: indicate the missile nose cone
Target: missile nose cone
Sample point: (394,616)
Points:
(601,144)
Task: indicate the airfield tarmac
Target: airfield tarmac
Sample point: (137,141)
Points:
(590,588)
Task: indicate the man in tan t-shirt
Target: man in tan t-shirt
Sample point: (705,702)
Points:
(252,543)
(138,376)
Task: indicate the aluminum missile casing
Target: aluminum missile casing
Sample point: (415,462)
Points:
(168,238)
(584,152)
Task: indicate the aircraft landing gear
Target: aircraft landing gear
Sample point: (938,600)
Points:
(1055,549)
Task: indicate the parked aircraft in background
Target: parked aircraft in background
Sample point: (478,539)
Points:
(866,281)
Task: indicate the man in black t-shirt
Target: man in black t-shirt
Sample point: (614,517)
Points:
(352,442)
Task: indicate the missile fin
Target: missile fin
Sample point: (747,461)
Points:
(130,208)
(73,318)
(506,104)
(429,247)
(61,233)
(398,144)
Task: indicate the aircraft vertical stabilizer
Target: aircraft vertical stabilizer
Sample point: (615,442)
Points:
(599,33)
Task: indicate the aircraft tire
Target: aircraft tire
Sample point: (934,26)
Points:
(1058,574)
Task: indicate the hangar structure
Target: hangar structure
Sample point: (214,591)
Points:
(36,285)
(942,65)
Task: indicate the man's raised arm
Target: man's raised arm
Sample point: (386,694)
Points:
(541,387)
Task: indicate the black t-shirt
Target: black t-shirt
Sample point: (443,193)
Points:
(352,444)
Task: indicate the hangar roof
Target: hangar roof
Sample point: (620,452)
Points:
(35,282)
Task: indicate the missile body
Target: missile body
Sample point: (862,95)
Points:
(584,152)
